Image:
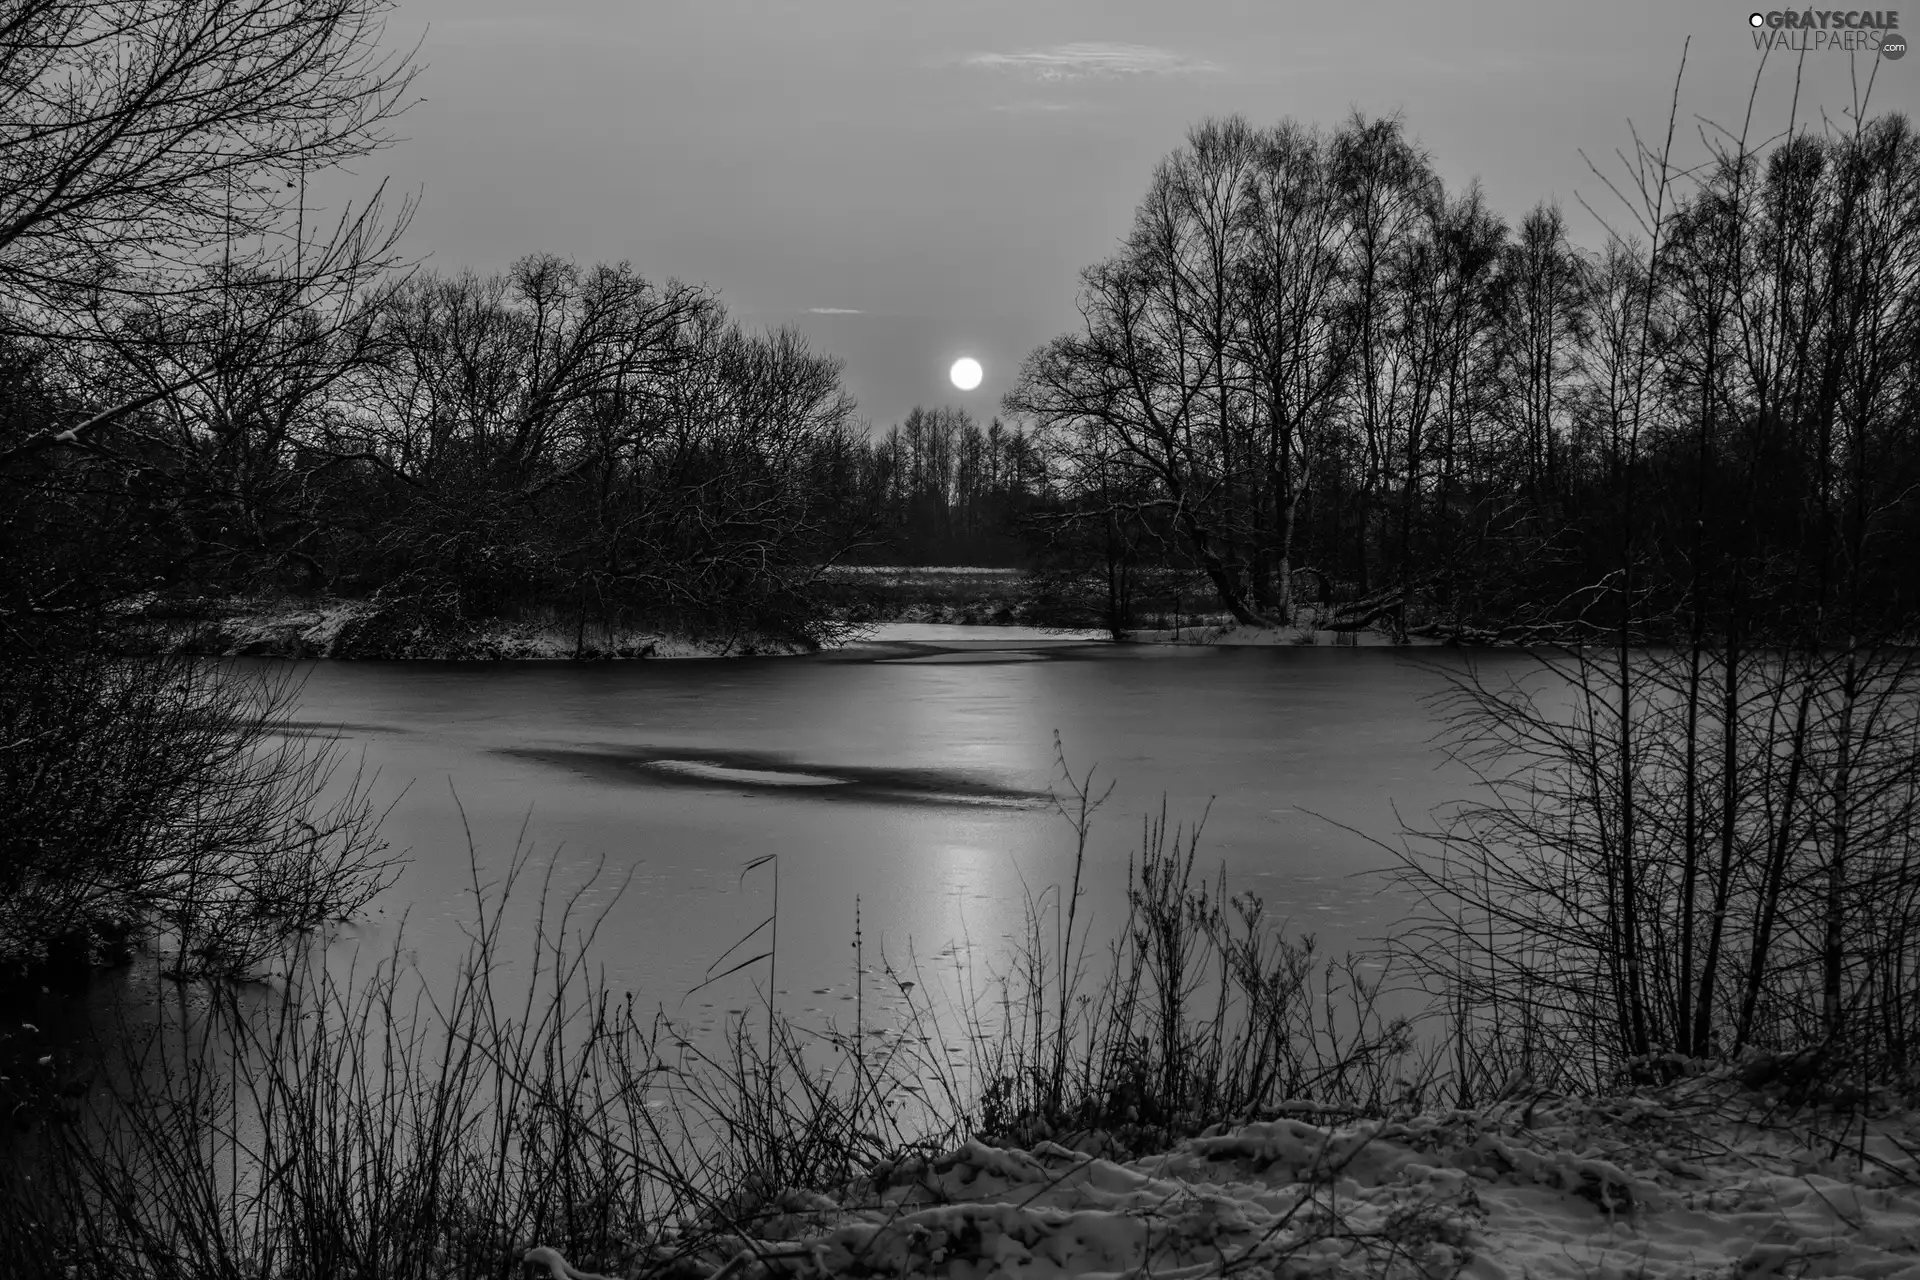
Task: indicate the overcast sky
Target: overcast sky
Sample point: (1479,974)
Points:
(909,182)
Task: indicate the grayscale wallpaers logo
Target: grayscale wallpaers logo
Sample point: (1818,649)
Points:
(1840,30)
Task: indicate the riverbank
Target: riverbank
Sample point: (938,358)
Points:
(1166,607)
(279,627)
(1232,635)
(961,603)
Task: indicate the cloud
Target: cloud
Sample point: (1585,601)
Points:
(1038,104)
(836,311)
(1093,60)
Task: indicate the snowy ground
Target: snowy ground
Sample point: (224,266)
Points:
(1693,1182)
(1234,636)
(294,629)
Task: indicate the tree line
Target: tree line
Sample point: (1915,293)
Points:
(580,439)
(1312,372)
(948,491)
(211,386)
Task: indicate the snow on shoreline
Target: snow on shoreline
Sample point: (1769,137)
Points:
(339,629)
(327,629)
(1648,1187)
(1231,635)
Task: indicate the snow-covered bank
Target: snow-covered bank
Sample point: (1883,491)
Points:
(977,634)
(1233,635)
(362,629)
(1690,1182)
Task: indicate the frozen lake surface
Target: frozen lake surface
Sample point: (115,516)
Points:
(912,771)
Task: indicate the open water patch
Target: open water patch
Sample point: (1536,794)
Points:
(768,773)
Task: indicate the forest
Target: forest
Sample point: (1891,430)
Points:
(1313,373)
(1311,376)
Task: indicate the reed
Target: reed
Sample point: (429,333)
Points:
(364,1121)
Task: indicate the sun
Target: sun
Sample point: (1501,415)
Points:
(965,373)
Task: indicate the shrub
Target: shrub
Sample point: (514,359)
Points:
(172,799)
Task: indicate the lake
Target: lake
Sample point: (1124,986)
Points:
(911,772)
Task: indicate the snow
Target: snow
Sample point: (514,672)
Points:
(1690,1182)
(1232,635)
(972,633)
(286,628)
(761,777)
(924,571)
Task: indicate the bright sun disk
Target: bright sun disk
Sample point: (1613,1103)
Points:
(965,373)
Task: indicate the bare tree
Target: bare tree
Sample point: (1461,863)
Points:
(1296,336)
(1541,319)
(152,151)
(1386,187)
(1208,353)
